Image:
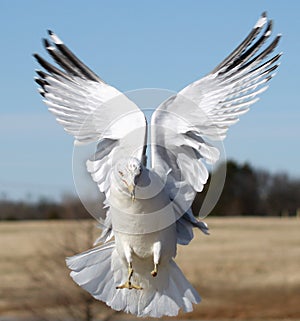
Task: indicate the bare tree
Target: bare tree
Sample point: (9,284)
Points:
(59,298)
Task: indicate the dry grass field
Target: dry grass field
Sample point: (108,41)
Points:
(247,269)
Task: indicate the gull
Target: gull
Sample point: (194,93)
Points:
(148,207)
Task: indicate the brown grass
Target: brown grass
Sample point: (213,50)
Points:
(247,269)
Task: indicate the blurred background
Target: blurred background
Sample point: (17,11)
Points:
(248,268)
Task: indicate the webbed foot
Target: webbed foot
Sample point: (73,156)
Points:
(155,270)
(130,286)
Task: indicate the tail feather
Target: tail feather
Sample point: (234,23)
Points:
(100,270)
(92,270)
(178,294)
(90,257)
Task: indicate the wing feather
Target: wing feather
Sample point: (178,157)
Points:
(204,110)
(90,110)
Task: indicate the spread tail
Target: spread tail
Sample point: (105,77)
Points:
(100,270)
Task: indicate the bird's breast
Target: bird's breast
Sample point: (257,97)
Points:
(151,210)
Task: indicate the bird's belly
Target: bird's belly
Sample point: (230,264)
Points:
(143,216)
(141,245)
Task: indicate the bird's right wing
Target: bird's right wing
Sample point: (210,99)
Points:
(91,110)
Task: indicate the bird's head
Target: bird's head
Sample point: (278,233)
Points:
(128,173)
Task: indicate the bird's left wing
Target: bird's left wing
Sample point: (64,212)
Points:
(91,110)
(203,111)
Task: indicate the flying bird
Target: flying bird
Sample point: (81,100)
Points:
(148,207)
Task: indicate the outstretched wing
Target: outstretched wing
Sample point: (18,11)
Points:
(204,110)
(91,110)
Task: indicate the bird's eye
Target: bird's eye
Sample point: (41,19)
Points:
(121,173)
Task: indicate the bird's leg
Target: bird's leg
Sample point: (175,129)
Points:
(128,284)
(155,270)
(156,257)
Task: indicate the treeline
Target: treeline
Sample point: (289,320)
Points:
(44,209)
(247,191)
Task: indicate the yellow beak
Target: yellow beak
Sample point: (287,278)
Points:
(131,189)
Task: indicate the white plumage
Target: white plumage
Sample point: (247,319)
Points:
(149,209)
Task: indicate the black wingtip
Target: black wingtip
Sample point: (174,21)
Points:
(42,92)
(46,43)
(42,74)
(277,38)
(50,32)
(264,14)
(270,24)
(41,82)
(38,58)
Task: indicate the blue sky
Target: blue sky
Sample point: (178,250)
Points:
(134,45)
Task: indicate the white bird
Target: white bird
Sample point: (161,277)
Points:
(148,209)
